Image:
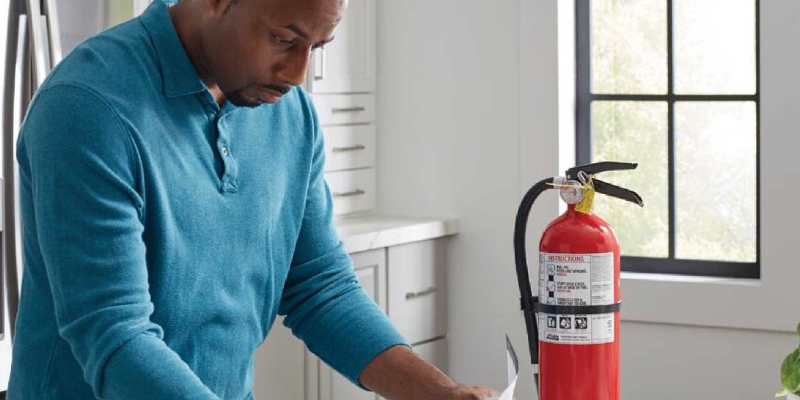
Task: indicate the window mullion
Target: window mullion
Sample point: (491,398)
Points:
(584,90)
(758,137)
(671,131)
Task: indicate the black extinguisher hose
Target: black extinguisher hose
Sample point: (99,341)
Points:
(523,278)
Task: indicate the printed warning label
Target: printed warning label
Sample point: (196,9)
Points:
(576,280)
(576,329)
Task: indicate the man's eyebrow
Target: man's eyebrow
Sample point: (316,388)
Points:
(294,28)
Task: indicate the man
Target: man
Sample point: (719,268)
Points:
(173,202)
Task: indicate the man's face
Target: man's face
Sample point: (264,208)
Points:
(256,50)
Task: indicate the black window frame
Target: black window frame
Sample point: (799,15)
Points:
(584,99)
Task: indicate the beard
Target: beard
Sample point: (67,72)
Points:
(248,96)
(239,99)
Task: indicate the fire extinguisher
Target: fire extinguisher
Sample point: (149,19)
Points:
(573,323)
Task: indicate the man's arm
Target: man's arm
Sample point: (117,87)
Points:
(79,174)
(400,374)
(324,304)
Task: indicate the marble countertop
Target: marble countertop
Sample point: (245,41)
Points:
(373,231)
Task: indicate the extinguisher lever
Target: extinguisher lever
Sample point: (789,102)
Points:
(618,192)
(596,168)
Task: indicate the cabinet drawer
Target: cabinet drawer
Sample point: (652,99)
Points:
(434,352)
(349,147)
(337,109)
(417,289)
(353,191)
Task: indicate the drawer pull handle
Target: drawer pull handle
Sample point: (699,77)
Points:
(350,148)
(356,192)
(347,109)
(427,291)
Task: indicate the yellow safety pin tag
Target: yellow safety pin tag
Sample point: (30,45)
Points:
(585,205)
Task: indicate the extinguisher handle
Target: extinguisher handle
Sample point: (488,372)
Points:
(528,301)
(618,192)
(596,168)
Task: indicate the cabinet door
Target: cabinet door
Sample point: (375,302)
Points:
(418,289)
(347,65)
(370,267)
(280,366)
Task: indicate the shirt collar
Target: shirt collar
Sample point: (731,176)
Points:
(177,71)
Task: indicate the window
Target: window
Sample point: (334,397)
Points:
(673,85)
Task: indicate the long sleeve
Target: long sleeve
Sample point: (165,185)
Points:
(80,171)
(324,303)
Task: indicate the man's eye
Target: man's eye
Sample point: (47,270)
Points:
(282,41)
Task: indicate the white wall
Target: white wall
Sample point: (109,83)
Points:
(450,144)
(668,362)
(468,119)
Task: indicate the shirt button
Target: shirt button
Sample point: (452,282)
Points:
(224,151)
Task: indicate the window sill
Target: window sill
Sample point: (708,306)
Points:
(688,279)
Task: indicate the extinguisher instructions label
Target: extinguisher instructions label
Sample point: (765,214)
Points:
(602,271)
(576,280)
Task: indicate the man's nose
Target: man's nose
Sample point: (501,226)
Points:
(294,67)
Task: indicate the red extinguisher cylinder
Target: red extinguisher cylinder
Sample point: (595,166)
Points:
(573,322)
(579,371)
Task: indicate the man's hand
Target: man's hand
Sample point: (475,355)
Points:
(400,374)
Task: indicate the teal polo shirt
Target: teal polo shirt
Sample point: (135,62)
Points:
(163,233)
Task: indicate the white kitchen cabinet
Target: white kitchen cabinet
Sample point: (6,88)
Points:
(417,290)
(342,82)
(347,65)
(349,147)
(352,191)
(344,109)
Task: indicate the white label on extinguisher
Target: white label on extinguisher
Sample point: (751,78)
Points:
(576,280)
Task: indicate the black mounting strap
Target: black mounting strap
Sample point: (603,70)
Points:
(578,310)
(533,304)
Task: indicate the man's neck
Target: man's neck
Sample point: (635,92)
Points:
(185,16)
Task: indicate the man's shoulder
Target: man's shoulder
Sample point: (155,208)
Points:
(117,63)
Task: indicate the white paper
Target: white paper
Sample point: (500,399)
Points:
(513,372)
